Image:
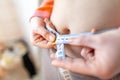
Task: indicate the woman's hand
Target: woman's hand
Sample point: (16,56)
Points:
(39,35)
(101,59)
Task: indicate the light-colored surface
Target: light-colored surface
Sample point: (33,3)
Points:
(9,26)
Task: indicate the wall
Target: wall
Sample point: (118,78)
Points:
(9,25)
(25,9)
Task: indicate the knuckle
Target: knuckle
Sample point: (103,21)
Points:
(46,34)
(49,46)
(83,55)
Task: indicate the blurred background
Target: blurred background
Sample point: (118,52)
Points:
(19,60)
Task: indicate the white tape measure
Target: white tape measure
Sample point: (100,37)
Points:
(60,41)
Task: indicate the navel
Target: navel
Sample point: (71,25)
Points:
(64,30)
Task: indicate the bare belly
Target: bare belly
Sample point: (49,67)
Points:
(76,16)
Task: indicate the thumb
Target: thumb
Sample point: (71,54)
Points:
(88,41)
(75,65)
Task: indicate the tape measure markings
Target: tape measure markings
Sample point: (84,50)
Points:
(60,41)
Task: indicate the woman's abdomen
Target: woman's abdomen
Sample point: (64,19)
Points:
(76,16)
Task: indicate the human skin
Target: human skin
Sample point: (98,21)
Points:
(78,16)
(101,61)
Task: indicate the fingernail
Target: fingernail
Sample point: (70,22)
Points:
(93,30)
(52,38)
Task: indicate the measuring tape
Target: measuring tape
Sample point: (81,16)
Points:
(60,41)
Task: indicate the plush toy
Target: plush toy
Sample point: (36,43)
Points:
(14,53)
(22,48)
